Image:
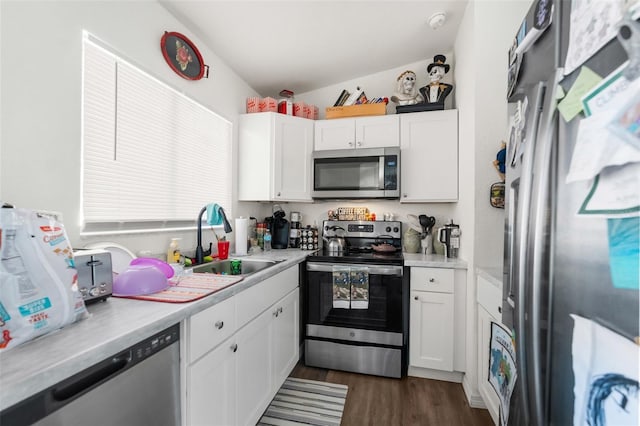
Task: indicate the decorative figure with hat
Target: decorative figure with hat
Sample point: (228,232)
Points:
(406,91)
(436,91)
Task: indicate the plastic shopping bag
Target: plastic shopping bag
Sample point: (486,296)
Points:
(38,280)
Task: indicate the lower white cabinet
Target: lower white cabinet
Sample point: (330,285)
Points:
(285,339)
(489,298)
(431,324)
(436,321)
(233,383)
(211,388)
(487,392)
(254,369)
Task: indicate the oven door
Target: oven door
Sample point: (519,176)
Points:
(385,304)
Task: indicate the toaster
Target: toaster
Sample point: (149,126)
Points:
(95,275)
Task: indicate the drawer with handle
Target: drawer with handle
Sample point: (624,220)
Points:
(439,280)
(490,297)
(207,329)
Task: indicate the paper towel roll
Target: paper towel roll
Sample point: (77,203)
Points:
(240,231)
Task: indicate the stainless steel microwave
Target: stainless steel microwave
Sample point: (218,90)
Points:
(357,173)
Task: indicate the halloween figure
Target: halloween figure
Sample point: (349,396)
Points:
(436,91)
(406,91)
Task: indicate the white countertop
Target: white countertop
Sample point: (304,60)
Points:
(491,274)
(433,261)
(112,326)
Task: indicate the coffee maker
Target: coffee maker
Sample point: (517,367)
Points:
(279,229)
(449,235)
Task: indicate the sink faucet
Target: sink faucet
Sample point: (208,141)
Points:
(200,252)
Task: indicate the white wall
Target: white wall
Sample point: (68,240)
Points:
(40,74)
(481,48)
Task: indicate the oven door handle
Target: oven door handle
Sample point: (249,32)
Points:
(372,269)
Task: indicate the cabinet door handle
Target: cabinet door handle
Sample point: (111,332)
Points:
(404,195)
(359,143)
(234,347)
(499,309)
(416,298)
(280,309)
(350,143)
(432,280)
(278,194)
(219,324)
(275,313)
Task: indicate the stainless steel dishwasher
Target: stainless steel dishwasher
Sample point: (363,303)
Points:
(137,386)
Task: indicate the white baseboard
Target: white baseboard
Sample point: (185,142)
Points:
(473,396)
(427,373)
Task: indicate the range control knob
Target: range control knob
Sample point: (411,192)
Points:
(396,229)
(388,229)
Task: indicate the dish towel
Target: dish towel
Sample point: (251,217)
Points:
(213,214)
(341,287)
(359,278)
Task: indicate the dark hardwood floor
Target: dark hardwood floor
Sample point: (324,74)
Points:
(382,401)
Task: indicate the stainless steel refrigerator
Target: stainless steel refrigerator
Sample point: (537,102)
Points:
(556,262)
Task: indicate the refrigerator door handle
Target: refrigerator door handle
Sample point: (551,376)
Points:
(521,213)
(540,225)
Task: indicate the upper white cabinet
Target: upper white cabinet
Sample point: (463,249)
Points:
(429,147)
(274,157)
(363,132)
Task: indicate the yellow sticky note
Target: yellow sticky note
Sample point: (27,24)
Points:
(570,106)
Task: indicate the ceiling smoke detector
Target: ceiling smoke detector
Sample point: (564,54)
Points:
(437,20)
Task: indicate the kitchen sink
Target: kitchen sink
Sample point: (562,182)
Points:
(248,266)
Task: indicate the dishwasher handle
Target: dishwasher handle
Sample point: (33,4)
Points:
(81,384)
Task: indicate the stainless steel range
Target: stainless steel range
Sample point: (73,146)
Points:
(357,300)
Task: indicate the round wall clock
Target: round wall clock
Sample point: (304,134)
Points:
(183,57)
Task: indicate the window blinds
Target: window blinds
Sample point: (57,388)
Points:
(150,154)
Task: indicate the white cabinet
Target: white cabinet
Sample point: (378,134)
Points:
(431,319)
(429,149)
(233,382)
(211,388)
(274,157)
(254,369)
(285,340)
(487,392)
(489,298)
(362,132)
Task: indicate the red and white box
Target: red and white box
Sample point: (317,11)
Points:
(306,111)
(298,109)
(253,104)
(268,105)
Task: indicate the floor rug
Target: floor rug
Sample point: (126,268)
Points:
(306,402)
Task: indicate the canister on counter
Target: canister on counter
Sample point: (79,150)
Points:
(309,238)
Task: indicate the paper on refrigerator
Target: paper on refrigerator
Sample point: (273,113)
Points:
(605,370)
(502,374)
(593,24)
(602,156)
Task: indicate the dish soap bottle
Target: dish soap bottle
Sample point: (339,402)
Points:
(173,252)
